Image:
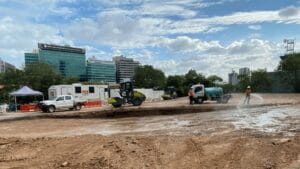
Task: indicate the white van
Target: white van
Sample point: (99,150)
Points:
(79,91)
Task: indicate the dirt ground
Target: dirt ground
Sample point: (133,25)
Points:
(262,137)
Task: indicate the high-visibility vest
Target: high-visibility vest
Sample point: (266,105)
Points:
(191,93)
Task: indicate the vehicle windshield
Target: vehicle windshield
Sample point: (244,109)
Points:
(53,98)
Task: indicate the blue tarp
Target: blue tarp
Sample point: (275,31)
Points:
(26,91)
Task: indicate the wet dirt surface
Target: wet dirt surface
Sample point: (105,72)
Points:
(262,137)
(268,120)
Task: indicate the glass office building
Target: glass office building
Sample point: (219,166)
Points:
(66,60)
(104,71)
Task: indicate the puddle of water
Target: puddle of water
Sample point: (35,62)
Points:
(271,120)
(263,119)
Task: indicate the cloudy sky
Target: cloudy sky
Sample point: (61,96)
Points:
(211,36)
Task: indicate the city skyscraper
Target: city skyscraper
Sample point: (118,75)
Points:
(233,78)
(125,67)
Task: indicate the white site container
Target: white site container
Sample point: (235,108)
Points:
(80,92)
(151,95)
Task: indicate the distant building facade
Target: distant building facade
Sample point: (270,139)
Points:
(4,66)
(244,71)
(125,67)
(31,58)
(233,78)
(66,60)
(97,70)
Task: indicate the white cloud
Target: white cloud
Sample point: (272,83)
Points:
(181,43)
(253,17)
(160,9)
(131,29)
(254,27)
(212,58)
(215,29)
(111,29)
(289,11)
(250,47)
(18,37)
(35,10)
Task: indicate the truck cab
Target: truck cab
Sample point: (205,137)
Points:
(199,93)
(59,102)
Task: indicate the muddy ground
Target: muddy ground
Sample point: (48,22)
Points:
(264,137)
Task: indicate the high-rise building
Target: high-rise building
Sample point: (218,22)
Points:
(244,71)
(66,60)
(4,66)
(233,78)
(125,67)
(98,70)
(31,58)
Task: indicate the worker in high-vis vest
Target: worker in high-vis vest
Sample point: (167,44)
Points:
(191,95)
(248,93)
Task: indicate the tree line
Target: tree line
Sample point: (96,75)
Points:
(288,71)
(149,77)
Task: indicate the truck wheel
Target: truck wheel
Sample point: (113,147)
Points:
(77,107)
(137,101)
(51,109)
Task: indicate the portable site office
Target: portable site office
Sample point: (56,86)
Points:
(80,92)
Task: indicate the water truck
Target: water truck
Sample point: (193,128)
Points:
(202,94)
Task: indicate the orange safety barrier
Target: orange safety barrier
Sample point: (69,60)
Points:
(94,103)
(29,108)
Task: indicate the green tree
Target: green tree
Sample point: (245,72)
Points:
(70,80)
(11,80)
(244,81)
(192,77)
(149,77)
(292,65)
(260,82)
(228,88)
(214,79)
(41,76)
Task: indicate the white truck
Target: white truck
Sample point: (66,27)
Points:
(60,102)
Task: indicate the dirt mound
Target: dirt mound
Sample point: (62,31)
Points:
(94,151)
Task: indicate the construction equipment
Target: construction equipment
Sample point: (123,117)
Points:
(127,95)
(211,93)
(170,93)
